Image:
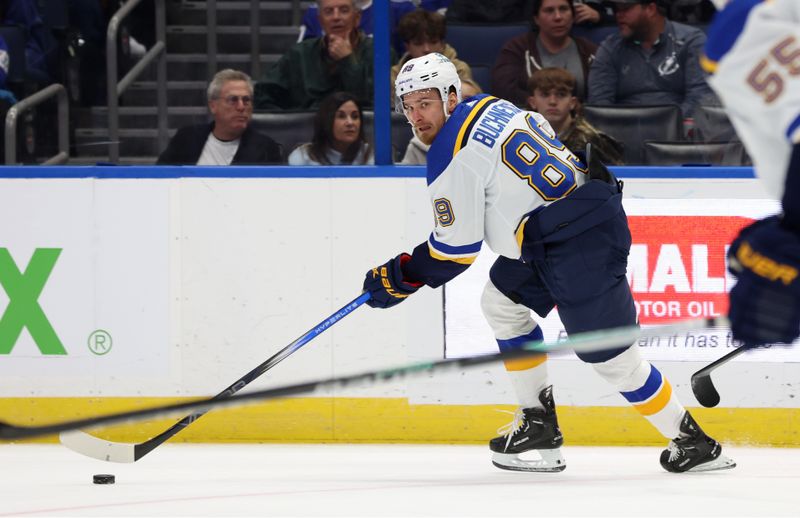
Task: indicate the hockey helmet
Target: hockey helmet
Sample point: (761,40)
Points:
(431,71)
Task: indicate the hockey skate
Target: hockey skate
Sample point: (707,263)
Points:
(533,432)
(694,450)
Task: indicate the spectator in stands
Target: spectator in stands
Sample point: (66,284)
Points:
(592,13)
(342,60)
(553,95)
(417,151)
(481,11)
(25,14)
(311,28)
(339,137)
(7,98)
(423,32)
(549,46)
(650,60)
(229,139)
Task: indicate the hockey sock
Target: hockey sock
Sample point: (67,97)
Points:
(528,375)
(513,327)
(643,385)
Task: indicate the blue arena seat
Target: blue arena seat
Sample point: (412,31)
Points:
(595,34)
(482,74)
(479,44)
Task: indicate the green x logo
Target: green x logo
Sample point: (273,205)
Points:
(23,309)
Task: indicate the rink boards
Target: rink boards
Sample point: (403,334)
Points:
(131,286)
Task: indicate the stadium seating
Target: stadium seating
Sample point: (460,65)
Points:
(289,129)
(711,123)
(594,34)
(479,44)
(401,132)
(633,125)
(695,153)
(482,74)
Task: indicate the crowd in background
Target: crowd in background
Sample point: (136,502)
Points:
(650,56)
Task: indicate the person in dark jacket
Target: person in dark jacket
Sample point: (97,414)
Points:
(650,60)
(341,60)
(229,139)
(549,46)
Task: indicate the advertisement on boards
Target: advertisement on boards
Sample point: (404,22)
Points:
(83,285)
(676,270)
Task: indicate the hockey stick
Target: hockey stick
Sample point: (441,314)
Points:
(583,342)
(102,449)
(703,387)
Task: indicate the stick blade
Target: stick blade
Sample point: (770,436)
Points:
(100,449)
(704,390)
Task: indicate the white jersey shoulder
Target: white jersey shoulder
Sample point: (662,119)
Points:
(491,165)
(757,77)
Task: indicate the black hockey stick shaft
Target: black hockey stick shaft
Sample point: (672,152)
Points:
(140,450)
(703,386)
(591,341)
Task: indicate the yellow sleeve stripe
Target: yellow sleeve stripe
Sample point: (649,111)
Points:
(658,402)
(459,260)
(468,120)
(520,233)
(708,64)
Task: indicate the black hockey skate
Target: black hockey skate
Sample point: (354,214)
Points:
(694,451)
(535,432)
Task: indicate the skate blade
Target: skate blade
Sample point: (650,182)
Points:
(720,463)
(550,461)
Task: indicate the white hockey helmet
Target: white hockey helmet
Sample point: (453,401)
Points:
(431,71)
(719,4)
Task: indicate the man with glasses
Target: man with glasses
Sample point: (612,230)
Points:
(228,139)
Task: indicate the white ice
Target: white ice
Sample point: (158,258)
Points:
(389,480)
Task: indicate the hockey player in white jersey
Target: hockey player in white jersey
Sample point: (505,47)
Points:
(497,174)
(753,55)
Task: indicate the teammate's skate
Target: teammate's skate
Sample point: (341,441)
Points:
(534,432)
(694,451)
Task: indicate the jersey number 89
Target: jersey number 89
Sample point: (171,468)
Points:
(542,161)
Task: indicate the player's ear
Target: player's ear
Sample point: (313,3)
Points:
(452,102)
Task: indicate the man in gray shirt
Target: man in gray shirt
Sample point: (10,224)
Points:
(650,60)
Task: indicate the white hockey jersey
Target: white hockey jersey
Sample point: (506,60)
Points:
(490,166)
(753,53)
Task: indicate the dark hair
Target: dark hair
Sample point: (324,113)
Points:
(421,24)
(322,140)
(548,79)
(537,5)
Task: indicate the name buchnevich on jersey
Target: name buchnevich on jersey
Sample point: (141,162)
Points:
(493,122)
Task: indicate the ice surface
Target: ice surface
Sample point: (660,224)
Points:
(389,480)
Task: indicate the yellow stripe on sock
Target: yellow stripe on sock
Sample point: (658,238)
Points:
(658,402)
(523,364)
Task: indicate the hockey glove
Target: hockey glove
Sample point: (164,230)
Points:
(386,285)
(765,302)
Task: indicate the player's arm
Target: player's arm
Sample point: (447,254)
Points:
(765,259)
(458,204)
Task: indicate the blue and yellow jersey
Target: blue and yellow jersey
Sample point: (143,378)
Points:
(753,50)
(490,165)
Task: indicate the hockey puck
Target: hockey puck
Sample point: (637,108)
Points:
(103,479)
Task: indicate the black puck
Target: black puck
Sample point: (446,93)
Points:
(103,479)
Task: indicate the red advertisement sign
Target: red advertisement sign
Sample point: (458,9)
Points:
(676,267)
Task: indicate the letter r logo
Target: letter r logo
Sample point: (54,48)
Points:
(23,290)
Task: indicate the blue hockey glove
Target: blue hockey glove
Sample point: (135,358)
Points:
(386,285)
(765,302)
